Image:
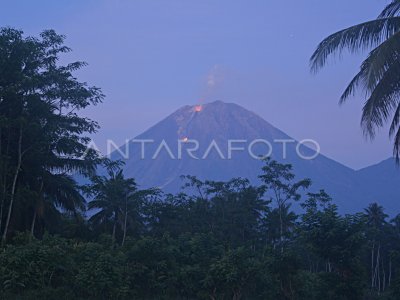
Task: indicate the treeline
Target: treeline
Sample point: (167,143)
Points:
(215,240)
(220,240)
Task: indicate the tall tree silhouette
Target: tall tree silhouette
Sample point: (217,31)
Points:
(40,126)
(280,184)
(375,219)
(111,196)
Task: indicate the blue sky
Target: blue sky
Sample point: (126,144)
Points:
(152,56)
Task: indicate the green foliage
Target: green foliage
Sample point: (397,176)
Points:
(99,272)
(223,242)
(42,137)
(215,240)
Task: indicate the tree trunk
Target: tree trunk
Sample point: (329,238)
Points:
(1,212)
(33,223)
(35,208)
(281,227)
(384,276)
(13,188)
(213,295)
(372,266)
(3,184)
(376,272)
(126,220)
(3,200)
(113,234)
(390,272)
(237,295)
(114,228)
(4,174)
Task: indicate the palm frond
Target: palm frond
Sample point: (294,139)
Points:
(374,67)
(100,217)
(359,37)
(99,203)
(61,190)
(382,102)
(391,10)
(396,147)
(352,86)
(395,122)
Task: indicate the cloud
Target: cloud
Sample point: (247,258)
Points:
(215,77)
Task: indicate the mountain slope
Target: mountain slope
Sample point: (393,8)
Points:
(217,123)
(383,184)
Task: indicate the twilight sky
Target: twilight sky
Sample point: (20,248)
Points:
(151,57)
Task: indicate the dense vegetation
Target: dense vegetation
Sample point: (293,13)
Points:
(226,241)
(215,240)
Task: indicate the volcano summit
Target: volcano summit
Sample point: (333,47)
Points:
(220,141)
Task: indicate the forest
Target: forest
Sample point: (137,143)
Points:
(111,239)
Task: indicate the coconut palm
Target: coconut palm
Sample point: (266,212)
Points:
(396,224)
(375,218)
(57,192)
(111,196)
(379,74)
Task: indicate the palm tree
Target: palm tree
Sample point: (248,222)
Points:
(375,215)
(396,224)
(379,74)
(57,192)
(111,197)
(375,218)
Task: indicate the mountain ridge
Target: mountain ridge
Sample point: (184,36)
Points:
(221,122)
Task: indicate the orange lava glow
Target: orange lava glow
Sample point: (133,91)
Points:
(198,108)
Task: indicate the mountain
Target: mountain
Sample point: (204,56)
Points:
(160,155)
(383,184)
